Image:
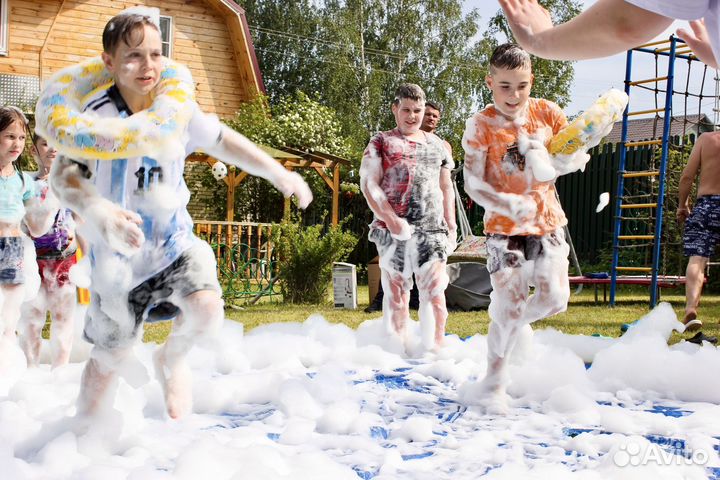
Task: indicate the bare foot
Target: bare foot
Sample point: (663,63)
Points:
(176,383)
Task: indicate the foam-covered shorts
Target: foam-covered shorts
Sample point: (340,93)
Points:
(513,251)
(55,272)
(702,229)
(191,272)
(408,256)
(12,258)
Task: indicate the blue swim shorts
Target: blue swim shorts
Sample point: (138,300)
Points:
(702,228)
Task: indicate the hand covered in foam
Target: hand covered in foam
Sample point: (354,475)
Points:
(537,158)
(568,147)
(117,227)
(291,184)
(399,228)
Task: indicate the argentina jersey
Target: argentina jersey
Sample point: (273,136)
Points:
(156,192)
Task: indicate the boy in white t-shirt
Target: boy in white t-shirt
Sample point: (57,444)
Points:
(143,252)
(613,26)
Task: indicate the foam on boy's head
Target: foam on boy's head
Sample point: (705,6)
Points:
(509,56)
(122,26)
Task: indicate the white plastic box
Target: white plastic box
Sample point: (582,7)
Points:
(344,285)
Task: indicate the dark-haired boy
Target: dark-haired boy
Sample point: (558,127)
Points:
(143,250)
(405,177)
(523,219)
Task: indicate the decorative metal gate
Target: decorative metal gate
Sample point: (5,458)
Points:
(246,267)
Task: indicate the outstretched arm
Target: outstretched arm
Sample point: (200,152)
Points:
(236,149)
(370,178)
(606,28)
(119,228)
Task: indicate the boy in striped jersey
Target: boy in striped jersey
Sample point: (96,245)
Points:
(143,251)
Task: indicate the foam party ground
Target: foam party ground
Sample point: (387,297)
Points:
(314,400)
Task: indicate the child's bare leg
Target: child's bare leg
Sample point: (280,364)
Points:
(694,276)
(12,300)
(432,281)
(99,379)
(202,316)
(550,277)
(61,328)
(396,309)
(30,333)
(507,306)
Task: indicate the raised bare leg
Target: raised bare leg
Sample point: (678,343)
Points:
(201,317)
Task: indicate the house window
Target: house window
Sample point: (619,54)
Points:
(4,27)
(165,35)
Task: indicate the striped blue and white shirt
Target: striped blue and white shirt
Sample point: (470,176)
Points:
(156,192)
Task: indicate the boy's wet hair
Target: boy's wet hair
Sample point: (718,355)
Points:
(408,90)
(510,56)
(433,105)
(121,28)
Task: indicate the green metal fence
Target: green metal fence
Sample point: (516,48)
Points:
(246,266)
(579,194)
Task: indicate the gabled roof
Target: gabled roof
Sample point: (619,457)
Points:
(241,39)
(651,128)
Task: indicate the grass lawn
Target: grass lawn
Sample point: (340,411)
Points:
(583,316)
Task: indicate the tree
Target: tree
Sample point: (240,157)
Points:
(354,53)
(294,121)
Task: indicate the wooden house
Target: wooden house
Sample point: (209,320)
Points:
(39,37)
(211,37)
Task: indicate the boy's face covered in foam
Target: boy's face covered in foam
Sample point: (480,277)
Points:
(137,66)
(409,115)
(510,89)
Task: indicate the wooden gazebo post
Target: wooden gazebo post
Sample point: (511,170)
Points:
(290,158)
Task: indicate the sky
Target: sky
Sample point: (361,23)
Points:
(592,77)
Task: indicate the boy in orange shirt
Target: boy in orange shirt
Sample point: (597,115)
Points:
(523,218)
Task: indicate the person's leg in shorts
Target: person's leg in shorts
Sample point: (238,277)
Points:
(432,279)
(59,296)
(197,294)
(701,236)
(188,283)
(396,280)
(510,284)
(515,263)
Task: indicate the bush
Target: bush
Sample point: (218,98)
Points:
(305,258)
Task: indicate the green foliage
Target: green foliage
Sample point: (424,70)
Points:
(552,78)
(295,121)
(354,53)
(305,258)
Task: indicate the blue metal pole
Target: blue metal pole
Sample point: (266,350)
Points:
(620,184)
(663,170)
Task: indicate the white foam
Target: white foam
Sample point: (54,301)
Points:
(314,400)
